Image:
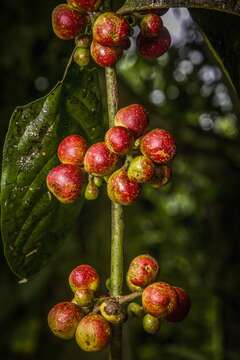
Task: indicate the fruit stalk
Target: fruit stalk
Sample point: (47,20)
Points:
(117,223)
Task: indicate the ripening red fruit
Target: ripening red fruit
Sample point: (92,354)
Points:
(93,333)
(110,29)
(99,160)
(85,5)
(84,277)
(105,56)
(141,169)
(122,190)
(63,319)
(67,23)
(183,306)
(159,299)
(151,49)
(65,181)
(119,140)
(158,145)
(142,271)
(133,117)
(151,25)
(162,176)
(72,149)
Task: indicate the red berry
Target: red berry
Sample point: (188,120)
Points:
(150,49)
(67,23)
(93,333)
(105,56)
(121,190)
(99,160)
(141,169)
(119,140)
(63,319)
(65,181)
(151,25)
(84,277)
(72,150)
(85,5)
(159,299)
(142,271)
(133,117)
(110,29)
(158,145)
(183,306)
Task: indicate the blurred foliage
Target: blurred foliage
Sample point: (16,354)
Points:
(192,226)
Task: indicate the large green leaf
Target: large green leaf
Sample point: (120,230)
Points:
(231,6)
(33,222)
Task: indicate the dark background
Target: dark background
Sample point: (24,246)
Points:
(191,226)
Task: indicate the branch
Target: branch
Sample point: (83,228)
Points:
(117,223)
(228,6)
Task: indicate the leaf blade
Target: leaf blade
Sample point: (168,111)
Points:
(33,223)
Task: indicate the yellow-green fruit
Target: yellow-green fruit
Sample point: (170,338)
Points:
(111,310)
(151,324)
(91,191)
(134,309)
(81,56)
(83,297)
(93,333)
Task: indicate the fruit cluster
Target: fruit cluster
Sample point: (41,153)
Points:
(90,318)
(159,299)
(109,32)
(143,157)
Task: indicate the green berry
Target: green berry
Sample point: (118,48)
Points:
(151,324)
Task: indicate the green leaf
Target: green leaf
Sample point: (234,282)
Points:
(219,5)
(34,223)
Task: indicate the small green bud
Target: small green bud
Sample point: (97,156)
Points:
(134,309)
(98,181)
(83,42)
(91,191)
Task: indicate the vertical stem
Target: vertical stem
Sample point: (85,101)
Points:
(117,223)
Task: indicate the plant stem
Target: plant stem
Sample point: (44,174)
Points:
(117,223)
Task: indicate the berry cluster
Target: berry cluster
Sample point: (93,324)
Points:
(110,38)
(90,318)
(159,299)
(154,39)
(109,34)
(143,157)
